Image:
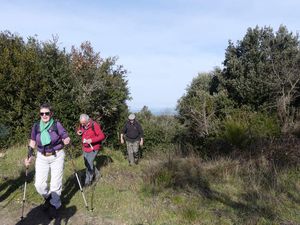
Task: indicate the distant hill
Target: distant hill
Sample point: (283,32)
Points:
(163,111)
(158,111)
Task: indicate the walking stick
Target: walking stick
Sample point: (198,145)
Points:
(92,198)
(29,154)
(77,178)
(24,193)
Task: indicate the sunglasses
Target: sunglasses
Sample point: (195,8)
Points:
(44,113)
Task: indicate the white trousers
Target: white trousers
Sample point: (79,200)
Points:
(54,164)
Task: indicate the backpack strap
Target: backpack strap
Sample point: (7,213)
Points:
(54,127)
(36,128)
(93,128)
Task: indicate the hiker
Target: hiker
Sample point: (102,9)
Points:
(49,137)
(91,136)
(133,134)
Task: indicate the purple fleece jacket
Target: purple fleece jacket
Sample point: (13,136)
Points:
(56,137)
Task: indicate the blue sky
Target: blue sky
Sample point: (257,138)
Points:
(163,44)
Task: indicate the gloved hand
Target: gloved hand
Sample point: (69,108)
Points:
(27,161)
(30,152)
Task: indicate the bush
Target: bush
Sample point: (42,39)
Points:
(159,131)
(244,127)
(4,135)
(235,132)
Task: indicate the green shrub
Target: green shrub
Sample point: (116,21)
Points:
(243,127)
(159,131)
(263,125)
(235,132)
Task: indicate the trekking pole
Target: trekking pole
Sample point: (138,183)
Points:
(24,193)
(92,198)
(29,154)
(78,180)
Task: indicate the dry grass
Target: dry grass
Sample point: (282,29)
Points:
(242,192)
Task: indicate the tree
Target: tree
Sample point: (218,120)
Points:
(100,86)
(247,67)
(197,106)
(18,68)
(31,73)
(203,104)
(56,84)
(262,71)
(285,77)
(159,131)
(35,72)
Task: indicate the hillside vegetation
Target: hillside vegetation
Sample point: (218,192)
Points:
(162,189)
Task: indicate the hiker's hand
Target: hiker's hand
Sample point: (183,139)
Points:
(88,141)
(30,152)
(122,141)
(27,161)
(66,141)
(142,142)
(79,132)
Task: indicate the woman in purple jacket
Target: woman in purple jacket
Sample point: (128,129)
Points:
(49,137)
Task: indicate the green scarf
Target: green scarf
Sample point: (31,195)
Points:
(45,136)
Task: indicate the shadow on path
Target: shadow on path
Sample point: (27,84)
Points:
(37,216)
(102,161)
(13,184)
(71,186)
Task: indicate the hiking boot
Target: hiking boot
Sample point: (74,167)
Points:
(53,212)
(46,204)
